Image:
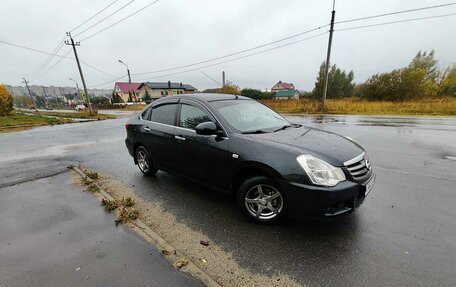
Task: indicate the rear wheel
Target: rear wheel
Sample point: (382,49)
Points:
(261,199)
(144,161)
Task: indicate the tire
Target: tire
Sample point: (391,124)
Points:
(142,157)
(261,200)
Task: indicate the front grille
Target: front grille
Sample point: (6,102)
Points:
(358,167)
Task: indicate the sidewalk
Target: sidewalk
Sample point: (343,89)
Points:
(54,234)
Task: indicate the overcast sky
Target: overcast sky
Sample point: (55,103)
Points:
(172,33)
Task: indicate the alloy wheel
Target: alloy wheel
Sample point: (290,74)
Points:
(263,202)
(143,161)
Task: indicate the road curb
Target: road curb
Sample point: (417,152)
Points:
(161,243)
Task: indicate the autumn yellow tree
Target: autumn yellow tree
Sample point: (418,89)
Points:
(229,88)
(6,101)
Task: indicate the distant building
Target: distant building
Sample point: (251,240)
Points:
(286,94)
(282,86)
(122,90)
(158,90)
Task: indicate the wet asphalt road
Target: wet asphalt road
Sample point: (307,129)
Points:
(404,234)
(53,234)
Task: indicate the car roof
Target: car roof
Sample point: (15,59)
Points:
(208,97)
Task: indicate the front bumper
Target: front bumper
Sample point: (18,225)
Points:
(324,202)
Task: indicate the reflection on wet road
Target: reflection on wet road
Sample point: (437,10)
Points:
(402,235)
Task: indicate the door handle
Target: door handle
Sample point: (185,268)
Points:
(146,128)
(179,138)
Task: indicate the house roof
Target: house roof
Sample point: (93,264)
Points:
(168,85)
(288,86)
(125,87)
(285,93)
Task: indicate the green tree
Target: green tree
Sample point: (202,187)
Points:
(115,98)
(340,84)
(427,62)
(398,85)
(446,83)
(229,88)
(100,100)
(6,101)
(147,97)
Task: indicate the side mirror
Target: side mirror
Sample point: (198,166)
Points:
(206,129)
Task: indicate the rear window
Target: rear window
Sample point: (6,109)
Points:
(164,114)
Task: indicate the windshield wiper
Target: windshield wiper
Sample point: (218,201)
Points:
(283,127)
(255,132)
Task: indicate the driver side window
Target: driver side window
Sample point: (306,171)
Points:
(191,116)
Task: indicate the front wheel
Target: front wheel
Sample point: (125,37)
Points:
(144,161)
(261,199)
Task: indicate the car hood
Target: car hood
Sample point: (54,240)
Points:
(331,147)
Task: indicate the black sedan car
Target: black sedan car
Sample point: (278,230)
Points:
(273,167)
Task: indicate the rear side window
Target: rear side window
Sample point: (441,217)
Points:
(164,114)
(191,116)
(146,114)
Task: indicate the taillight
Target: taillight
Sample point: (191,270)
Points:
(127,126)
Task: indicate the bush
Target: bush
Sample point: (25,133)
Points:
(229,88)
(257,94)
(398,85)
(447,82)
(6,101)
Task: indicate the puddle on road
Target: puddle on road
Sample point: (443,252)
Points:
(450,157)
(57,150)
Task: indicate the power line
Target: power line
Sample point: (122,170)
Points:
(32,49)
(61,57)
(212,78)
(395,13)
(98,70)
(90,27)
(223,62)
(121,20)
(105,83)
(395,22)
(55,64)
(242,57)
(233,54)
(49,58)
(61,43)
(94,16)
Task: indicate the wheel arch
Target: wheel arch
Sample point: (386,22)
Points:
(253,169)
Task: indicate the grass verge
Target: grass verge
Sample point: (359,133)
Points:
(355,106)
(21,121)
(79,115)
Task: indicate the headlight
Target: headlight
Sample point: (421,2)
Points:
(319,171)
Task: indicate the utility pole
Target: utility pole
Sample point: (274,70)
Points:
(72,43)
(328,57)
(129,81)
(30,94)
(223,78)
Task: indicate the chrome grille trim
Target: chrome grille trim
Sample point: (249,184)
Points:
(362,164)
(357,166)
(355,160)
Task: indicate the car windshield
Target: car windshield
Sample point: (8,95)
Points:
(249,116)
